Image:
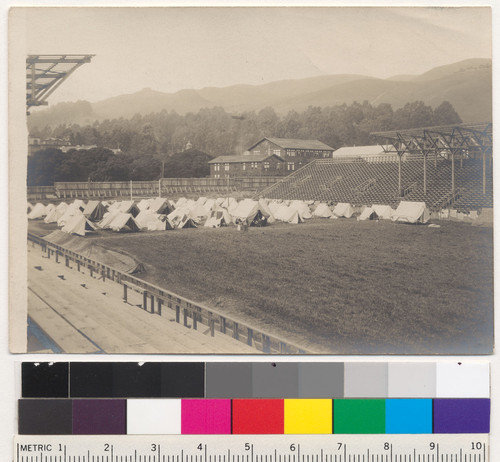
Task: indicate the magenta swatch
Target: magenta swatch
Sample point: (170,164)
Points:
(206,416)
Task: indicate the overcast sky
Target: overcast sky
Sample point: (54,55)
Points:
(169,49)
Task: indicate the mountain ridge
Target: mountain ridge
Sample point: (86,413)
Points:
(466,84)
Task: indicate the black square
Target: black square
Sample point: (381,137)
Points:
(45,417)
(131,380)
(91,380)
(45,380)
(182,380)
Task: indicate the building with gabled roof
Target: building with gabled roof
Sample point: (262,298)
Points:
(247,165)
(295,152)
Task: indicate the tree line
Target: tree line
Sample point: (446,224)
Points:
(151,140)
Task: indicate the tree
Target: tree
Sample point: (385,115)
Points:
(445,114)
(43,166)
(188,164)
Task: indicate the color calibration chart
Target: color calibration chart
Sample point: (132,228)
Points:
(254,412)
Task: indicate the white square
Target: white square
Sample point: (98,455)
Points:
(153,416)
(463,380)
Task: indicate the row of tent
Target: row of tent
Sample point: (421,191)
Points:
(158,214)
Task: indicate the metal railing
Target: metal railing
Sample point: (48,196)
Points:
(155,299)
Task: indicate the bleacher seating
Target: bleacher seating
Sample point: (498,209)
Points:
(365,183)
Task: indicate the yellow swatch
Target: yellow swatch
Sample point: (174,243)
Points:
(308,416)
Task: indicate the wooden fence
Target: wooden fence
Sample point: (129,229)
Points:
(156,300)
(163,187)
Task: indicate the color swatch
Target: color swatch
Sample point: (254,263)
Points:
(252,416)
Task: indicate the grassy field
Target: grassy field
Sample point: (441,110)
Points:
(336,286)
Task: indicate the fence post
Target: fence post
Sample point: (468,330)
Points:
(125,292)
(249,336)
(159,301)
(223,324)
(152,303)
(177,313)
(145,301)
(266,344)
(235,330)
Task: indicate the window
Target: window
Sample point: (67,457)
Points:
(290,166)
(244,166)
(278,166)
(291,153)
(266,165)
(256,151)
(226,167)
(277,152)
(216,167)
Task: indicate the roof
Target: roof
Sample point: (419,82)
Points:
(359,151)
(291,143)
(240,159)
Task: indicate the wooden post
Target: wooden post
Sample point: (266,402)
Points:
(211,324)
(484,170)
(452,176)
(125,292)
(235,330)
(266,344)
(152,303)
(131,190)
(399,175)
(425,174)
(158,303)
(78,265)
(145,301)
(159,187)
(195,320)
(177,313)
(57,256)
(223,324)
(67,260)
(250,337)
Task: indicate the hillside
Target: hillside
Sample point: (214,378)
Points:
(467,85)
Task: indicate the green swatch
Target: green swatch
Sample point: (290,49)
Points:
(354,416)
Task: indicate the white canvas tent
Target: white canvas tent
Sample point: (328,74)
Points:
(68,214)
(411,212)
(367,214)
(57,213)
(38,211)
(322,211)
(78,225)
(251,213)
(129,207)
(160,205)
(384,212)
(302,208)
(124,222)
(343,210)
(108,219)
(94,210)
(160,223)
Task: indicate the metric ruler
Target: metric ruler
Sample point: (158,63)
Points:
(253,448)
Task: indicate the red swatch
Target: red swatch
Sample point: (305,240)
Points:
(258,416)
